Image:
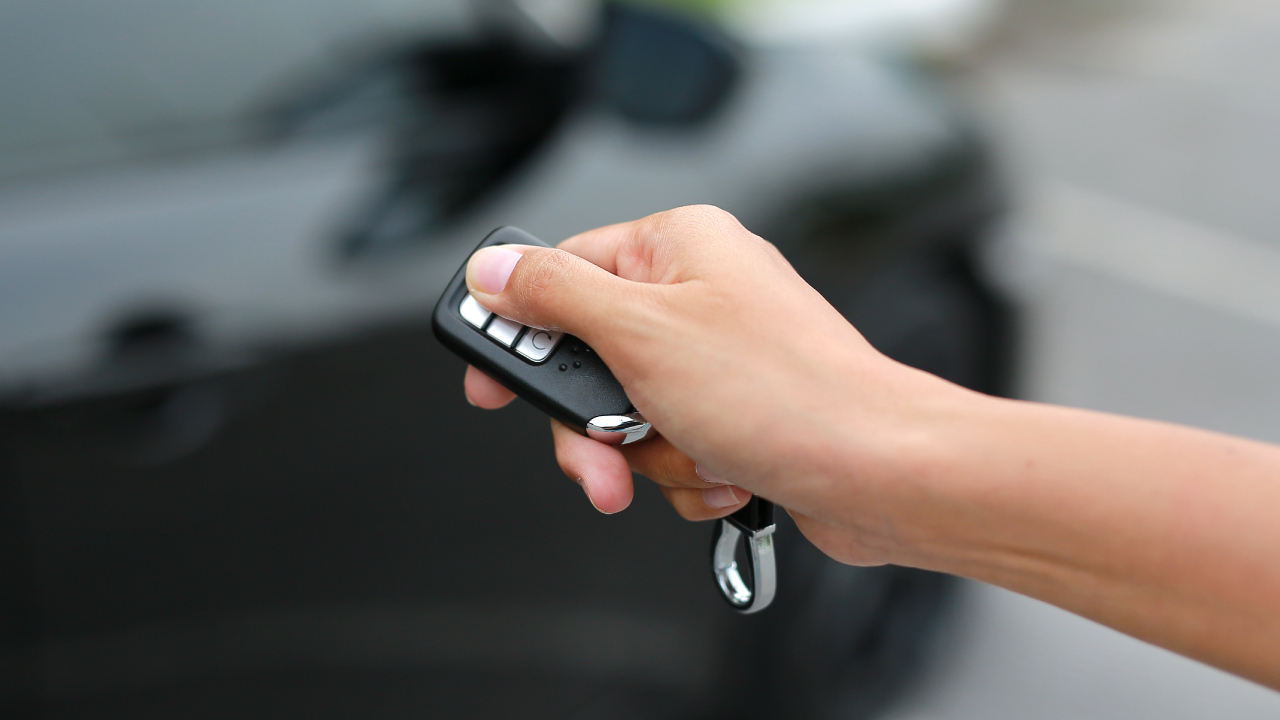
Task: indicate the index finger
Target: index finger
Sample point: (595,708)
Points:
(655,249)
(601,246)
(485,392)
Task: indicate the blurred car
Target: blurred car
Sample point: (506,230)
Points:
(240,478)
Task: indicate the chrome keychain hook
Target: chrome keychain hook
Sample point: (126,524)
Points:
(754,523)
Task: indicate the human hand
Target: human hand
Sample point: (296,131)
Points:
(746,372)
(1160,531)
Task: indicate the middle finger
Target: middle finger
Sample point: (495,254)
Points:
(662,463)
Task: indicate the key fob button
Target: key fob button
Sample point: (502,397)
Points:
(473,312)
(504,330)
(538,344)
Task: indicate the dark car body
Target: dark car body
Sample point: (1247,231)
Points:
(238,477)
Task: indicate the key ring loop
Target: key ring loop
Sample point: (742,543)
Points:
(745,595)
(754,522)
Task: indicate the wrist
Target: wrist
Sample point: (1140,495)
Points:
(881,466)
(973,494)
(922,462)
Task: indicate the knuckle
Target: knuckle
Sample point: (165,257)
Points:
(708,215)
(774,255)
(709,218)
(688,221)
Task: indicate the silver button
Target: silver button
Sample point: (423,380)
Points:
(473,312)
(504,330)
(538,344)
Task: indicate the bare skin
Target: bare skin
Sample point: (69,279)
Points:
(1167,533)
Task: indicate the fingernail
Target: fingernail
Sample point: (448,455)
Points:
(720,497)
(490,268)
(708,476)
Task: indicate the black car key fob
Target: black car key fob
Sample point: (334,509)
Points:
(557,373)
(560,375)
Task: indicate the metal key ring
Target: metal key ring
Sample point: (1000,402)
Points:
(745,595)
(754,522)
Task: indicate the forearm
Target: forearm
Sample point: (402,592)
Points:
(1167,533)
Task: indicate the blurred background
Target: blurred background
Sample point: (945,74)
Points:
(237,474)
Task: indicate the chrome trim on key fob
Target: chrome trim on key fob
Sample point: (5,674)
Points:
(619,429)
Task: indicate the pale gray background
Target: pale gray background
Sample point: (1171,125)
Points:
(1143,141)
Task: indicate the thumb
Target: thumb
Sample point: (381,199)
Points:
(550,289)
